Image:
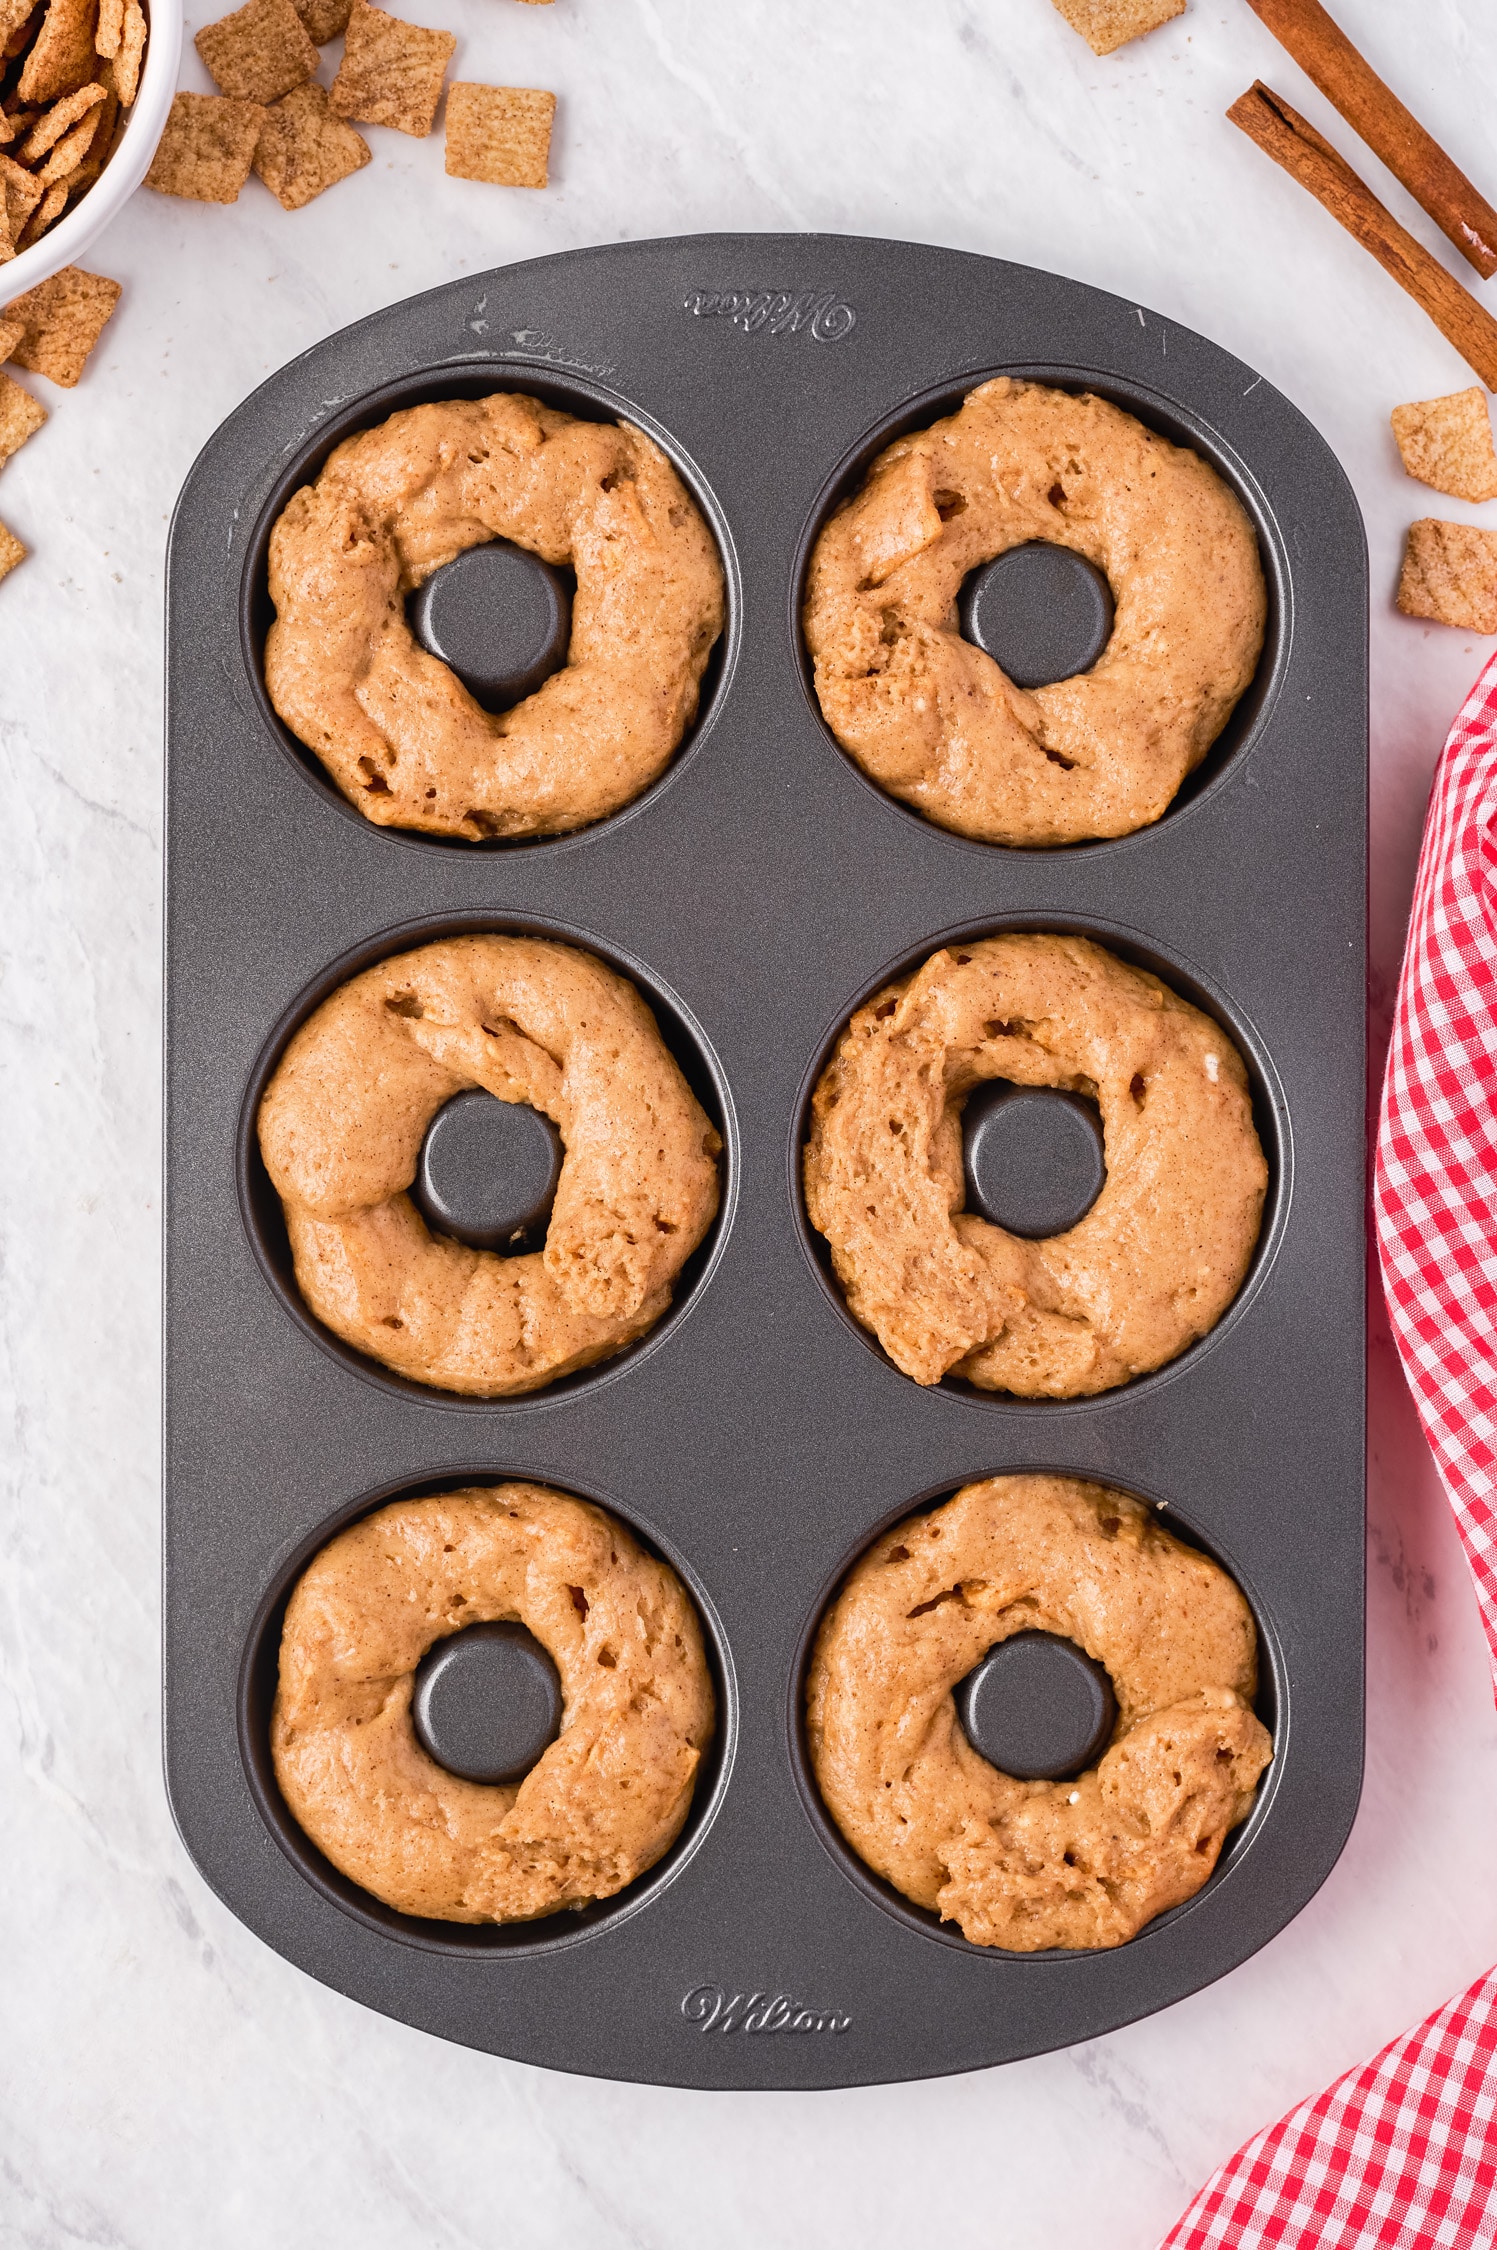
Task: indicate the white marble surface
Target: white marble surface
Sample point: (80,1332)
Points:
(169,2082)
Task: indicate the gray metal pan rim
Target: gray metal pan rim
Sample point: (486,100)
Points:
(249,1172)
(485,1943)
(1183,424)
(1273,1691)
(571,394)
(1270,1113)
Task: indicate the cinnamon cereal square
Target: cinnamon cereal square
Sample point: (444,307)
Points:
(207,148)
(1106,25)
(127,63)
(101,147)
(55,120)
(21,416)
(499,133)
(1447,443)
(324,19)
(1450,574)
(306,147)
(259,52)
(51,207)
(63,55)
(11,551)
(391,72)
(62,320)
(22,194)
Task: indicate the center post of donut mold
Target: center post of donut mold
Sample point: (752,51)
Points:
(1037,1707)
(499,617)
(488,1173)
(1043,613)
(1032,1157)
(487,1702)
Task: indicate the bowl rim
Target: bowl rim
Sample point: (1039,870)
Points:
(63,244)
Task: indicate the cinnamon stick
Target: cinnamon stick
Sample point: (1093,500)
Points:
(1286,136)
(1347,80)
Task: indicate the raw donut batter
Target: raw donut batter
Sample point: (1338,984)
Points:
(933,719)
(341,1126)
(600,1805)
(395,727)
(1030,1864)
(1158,1257)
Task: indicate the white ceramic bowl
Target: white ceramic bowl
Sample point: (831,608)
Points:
(64,244)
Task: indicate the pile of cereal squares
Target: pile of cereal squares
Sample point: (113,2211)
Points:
(69,72)
(273,117)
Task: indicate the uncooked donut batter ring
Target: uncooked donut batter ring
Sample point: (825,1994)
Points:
(933,719)
(1160,1254)
(1029,1864)
(600,1805)
(341,1126)
(397,730)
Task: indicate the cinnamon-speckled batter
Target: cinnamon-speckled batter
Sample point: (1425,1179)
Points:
(395,727)
(933,719)
(1029,1864)
(1160,1254)
(602,1803)
(341,1126)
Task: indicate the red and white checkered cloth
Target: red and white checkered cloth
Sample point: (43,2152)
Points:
(1403,2152)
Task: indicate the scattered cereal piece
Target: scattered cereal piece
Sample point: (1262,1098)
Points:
(11,332)
(306,147)
(391,72)
(207,148)
(1450,574)
(62,320)
(1447,443)
(259,52)
(324,19)
(11,551)
(1106,25)
(63,56)
(499,133)
(132,52)
(13,14)
(111,23)
(20,416)
(54,122)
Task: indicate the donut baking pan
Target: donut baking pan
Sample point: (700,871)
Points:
(758,1438)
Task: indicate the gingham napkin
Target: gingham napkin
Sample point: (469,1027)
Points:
(1403,2152)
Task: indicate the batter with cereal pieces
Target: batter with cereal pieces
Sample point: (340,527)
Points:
(933,719)
(1156,1260)
(1025,1865)
(603,1802)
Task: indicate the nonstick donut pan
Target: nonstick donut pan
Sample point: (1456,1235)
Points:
(758,1438)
